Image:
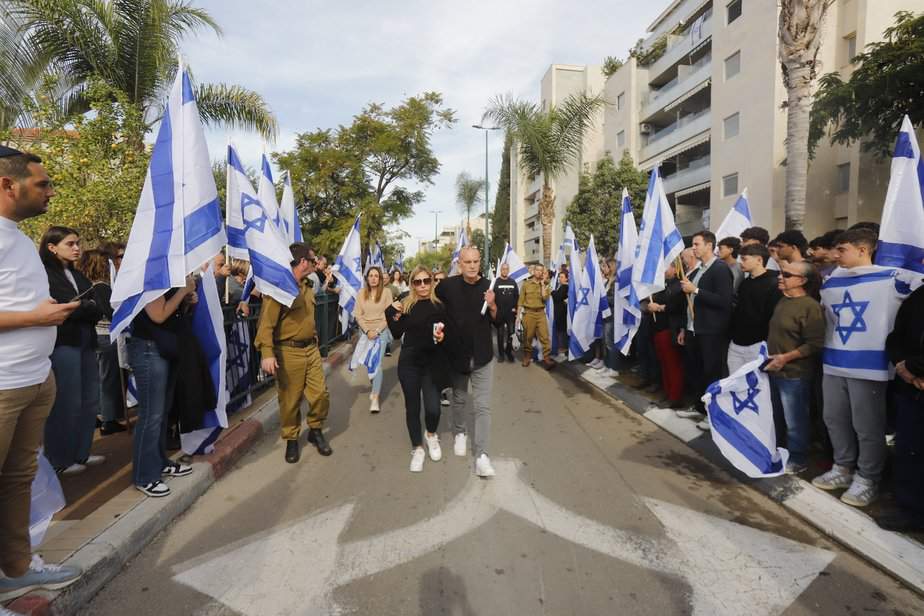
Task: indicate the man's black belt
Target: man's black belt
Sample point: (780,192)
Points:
(298,344)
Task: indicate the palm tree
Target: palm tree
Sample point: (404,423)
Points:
(468,194)
(132,45)
(800,34)
(548,141)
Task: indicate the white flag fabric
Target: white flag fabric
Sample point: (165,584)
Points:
(238,194)
(266,193)
(741,416)
(177,225)
(588,285)
(209,328)
(367,353)
(901,234)
(47,499)
(569,240)
(376,258)
(515,266)
(267,250)
(289,213)
(574,274)
(737,220)
(460,244)
(348,269)
(627,313)
(659,241)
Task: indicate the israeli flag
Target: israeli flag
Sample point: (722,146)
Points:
(266,193)
(267,250)
(367,353)
(659,240)
(131,392)
(585,306)
(461,243)
(741,416)
(209,328)
(569,240)
(575,274)
(517,269)
(376,258)
(737,220)
(177,225)
(289,213)
(348,269)
(627,313)
(47,499)
(249,286)
(901,234)
(399,263)
(238,194)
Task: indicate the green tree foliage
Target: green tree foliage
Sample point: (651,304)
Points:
(369,168)
(132,45)
(438,259)
(500,217)
(469,193)
(95,162)
(596,207)
(888,83)
(611,64)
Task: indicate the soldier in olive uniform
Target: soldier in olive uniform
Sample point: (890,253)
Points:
(531,305)
(288,344)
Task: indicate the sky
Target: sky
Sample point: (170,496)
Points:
(319,63)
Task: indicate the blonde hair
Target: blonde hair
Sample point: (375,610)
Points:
(367,290)
(412,298)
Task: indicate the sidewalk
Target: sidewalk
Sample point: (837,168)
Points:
(107,522)
(900,555)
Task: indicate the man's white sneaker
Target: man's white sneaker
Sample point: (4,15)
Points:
(483,466)
(433,446)
(835,479)
(41,575)
(73,469)
(460,444)
(417,459)
(93,460)
(861,492)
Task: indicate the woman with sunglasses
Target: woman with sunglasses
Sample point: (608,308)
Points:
(371,303)
(422,366)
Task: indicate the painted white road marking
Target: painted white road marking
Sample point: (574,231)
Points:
(295,570)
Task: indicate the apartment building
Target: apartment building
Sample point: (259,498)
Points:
(708,108)
(449,235)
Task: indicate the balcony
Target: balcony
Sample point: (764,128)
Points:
(678,132)
(697,173)
(678,46)
(689,78)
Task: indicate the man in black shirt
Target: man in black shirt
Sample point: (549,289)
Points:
(471,354)
(757,297)
(508,295)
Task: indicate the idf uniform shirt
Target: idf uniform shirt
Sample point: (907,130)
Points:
(24,352)
(296,324)
(534,295)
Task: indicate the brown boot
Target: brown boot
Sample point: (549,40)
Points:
(527,358)
(548,363)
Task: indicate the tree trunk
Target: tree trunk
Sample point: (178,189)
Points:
(547,219)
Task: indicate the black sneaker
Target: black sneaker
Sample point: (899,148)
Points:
(111,427)
(155,489)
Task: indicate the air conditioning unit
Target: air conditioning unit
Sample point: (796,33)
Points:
(647,129)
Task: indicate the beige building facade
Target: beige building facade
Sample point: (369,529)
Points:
(710,112)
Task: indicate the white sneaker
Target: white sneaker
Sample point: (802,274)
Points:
(444,400)
(595,364)
(374,405)
(861,492)
(835,479)
(483,466)
(691,413)
(73,469)
(93,460)
(704,425)
(611,373)
(561,357)
(460,444)
(417,459)
(433,445)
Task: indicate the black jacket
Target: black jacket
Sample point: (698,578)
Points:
(82,321)
(757,297)
(674,317)
(507,295)
(418,350)
(463,301)
(712,305)
(560,307)
(906,342)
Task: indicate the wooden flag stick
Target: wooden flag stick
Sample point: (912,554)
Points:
(683,276)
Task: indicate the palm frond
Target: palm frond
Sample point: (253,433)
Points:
(572,119)
(469,192)
(237,107)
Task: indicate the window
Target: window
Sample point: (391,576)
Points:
(730,124)
(851,42)
(621,139)
(730,185)
(732,65)
(843,178)
(620,101)
(734,11)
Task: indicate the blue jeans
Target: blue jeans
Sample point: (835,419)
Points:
(156,380)
(72,421)
(386,338)
(112,406)
(791,399)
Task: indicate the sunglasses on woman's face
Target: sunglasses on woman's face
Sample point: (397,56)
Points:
(419,282)
(791,275)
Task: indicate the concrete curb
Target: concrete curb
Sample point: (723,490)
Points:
(896,554)
(103,557)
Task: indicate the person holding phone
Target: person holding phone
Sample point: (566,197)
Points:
(422,365)
(70,426)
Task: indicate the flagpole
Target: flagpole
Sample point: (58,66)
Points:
(227,205)
(683,276)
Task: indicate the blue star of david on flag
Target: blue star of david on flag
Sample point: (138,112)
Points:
(749,403)
(857,324)
(585,291)
(251,206)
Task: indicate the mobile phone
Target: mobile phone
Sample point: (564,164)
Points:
(83,293)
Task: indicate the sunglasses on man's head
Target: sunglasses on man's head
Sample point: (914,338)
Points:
(791,275)
(419,282)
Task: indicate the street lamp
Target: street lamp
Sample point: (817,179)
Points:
(487,256)
(436,233)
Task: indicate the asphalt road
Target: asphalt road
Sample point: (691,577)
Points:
(594,511)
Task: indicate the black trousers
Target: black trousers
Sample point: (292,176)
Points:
(710,351)
(505,327)
(417,383)
(908,470)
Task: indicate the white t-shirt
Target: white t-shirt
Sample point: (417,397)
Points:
(24,353)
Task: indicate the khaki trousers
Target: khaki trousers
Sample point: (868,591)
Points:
(300,374)
(22,425)
(535,324)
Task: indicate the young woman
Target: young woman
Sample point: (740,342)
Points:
(70,425)
(370,315)
(422,366)
(560,312)
(397,281)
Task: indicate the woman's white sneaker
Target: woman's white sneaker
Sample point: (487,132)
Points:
(417,459)
(433,446)
(176,470)
(374,404)
(460,445)
(73,469)
(483,466)
(155,489)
